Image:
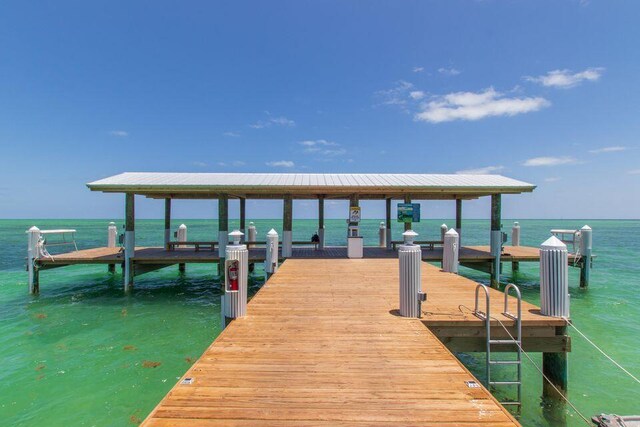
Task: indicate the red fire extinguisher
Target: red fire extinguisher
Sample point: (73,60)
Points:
(233,276)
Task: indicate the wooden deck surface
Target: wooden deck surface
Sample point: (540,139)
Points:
(322,344)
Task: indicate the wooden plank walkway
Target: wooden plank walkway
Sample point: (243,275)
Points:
(322,344)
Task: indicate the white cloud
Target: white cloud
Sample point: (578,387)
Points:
(476,106)
(549,161)
(232,134)
(396,95)
(418,69)
(608,149)
(281,164)
(448,71)
(552,179)
(566,79)
(273,121)
(236,163)
(416,94)
(119,133)
(200,164)
(323,147)
(481,171)
(634,172)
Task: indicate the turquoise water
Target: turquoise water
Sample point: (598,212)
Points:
(83,353)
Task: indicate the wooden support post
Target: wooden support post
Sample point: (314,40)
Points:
(321,222)
(496,238)
(287,226)
(407,225)
(459,220)
(129,240)
(243,216)
(223,230)
(388,221)
(167,223)
(555,366)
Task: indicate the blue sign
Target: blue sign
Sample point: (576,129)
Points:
(408,212)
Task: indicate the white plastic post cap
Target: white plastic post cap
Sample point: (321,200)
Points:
(236,235)
(586,227)
(250,223)
(409,236)
(443,226)
(381,223)
(516,224)
(112,224)
(182,226)
(451,232)
(553,243)
(32,229)
(272,233)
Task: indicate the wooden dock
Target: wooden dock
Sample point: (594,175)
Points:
(322,344)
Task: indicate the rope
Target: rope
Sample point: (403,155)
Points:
(538,368)
(602,351)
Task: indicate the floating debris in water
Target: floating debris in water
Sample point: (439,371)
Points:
(41,316)
(129,348)
(189,360)
(40,367)
(150,364)
(124,312)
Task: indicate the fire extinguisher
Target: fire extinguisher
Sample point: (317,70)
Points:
(233,276)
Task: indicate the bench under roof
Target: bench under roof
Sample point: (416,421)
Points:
(309,186)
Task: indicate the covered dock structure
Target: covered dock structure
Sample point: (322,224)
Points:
(288,187)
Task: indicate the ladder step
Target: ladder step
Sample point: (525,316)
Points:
(505,382)
(504,362)
(512,342)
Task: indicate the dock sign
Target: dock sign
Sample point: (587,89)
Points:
(354,214)
(408,212)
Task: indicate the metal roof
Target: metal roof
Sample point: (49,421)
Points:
(301,185)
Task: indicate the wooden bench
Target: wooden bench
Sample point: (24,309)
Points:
(197,245)
(430,244)
(294,243)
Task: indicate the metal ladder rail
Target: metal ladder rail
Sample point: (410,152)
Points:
(486,316)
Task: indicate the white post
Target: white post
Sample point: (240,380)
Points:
(450,251)
(271,259)
(33,251)
(252,232)
(235,278)
(554,278)
(382,235)
(112,235)
(410,257)
(586,241)
(321,238)
(515,234)
(443,231)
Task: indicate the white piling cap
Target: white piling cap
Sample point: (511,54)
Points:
(112,224)
(443,226)
(451,232)
(33,229)
(250,223)
(182,226)
(272,233)
(553,243)
(236,235)
(409,235)
(381,224)
(586,227)
(516,224)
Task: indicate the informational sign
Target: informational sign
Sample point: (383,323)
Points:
(408,212)
(354,213)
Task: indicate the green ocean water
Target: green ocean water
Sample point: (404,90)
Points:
(81,352)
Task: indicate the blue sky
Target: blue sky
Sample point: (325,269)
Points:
(545,91)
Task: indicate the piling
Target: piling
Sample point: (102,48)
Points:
(129,241)
(443,231)
(181,236)
(410,259)
(167,223)
(382,235)
(586,240)
(388,222)
(271,259)
(450,251)
(223,229)
(236,278)
(515,241)
(252,232)
(554,301)
(496,238)
(112,236)
(287,225)
(33,236)
(321,222)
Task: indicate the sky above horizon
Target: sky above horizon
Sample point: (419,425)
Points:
(547,92)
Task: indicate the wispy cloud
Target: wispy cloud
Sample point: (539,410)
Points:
(235,163)
(273,121)
(232,134)
(448,71)
(418,69)
(552,179)
(549,161)
(281,164)
(119,133)
(323,147)
(397,95)
(565,79)
(199,164)
(416,94)
(476,106)
(481,171)
(611,149)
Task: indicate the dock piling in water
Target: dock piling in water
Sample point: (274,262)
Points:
(586,241)
(496,238)
(33,236)
(112,236)
(129,240)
